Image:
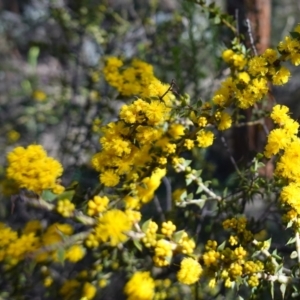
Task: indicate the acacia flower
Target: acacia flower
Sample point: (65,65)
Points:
(140,287)
(112,227)
(32,169)
(190,271)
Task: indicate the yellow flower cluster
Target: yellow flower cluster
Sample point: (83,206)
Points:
(186,245)
(14,248)
(133,80)
(88,291)
(13,136)
(143,136)
(65,207)
(141,286)
(97,205)
(230,263)
(32,169)
(150,235)
(163,253)
(190,271)
(249,80)
(54,234)
(111,228)
(167,228)
(285,142)
(290,48)
(75,253)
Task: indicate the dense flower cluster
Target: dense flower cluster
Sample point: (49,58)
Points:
(140,287)
(111,228)
(32,169)
(190,271)
(248,83)
(284,142)
(137,150)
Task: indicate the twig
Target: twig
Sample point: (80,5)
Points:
(251,37)
(159,209)
(298,247)
(168,193)
(230,155)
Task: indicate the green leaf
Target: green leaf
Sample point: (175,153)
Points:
(188,181)
(66,195)
(198,173)
(178,235)
(48,196)
(187,162)
(295,35)
(289,224)
(259,156)
(200,202)
(283,289)
(221,246)
(292,240)
(272,289)
(61,255)
(217,20)
(190,196)
(199,190)
(137,244)
(183,196)
(294,255)
(33,56)
(146,225)
(169,259)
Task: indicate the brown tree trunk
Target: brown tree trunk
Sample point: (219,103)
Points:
(251,139)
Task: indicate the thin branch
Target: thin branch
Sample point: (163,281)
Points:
(251,37)
(230,155)
(168,193)
(159,209)
(298,247)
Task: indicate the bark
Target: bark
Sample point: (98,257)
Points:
(251,139)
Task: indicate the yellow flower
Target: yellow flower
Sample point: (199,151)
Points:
(65,207)
(281,76)
(163,253)
(168,228)
(190,271)
(257,66)
(243,78)
(88,291)
(32,226)
(7,235)
(277,140)
(202,121)
(176,131)
(32,169)
(280,114)
(225,121)
(270,55)
(39,95)
(140,287)
(109,178)
(75,253)
(227,55)
(97,205)
(205,138)
(112,226)
(13,136)
(69,288)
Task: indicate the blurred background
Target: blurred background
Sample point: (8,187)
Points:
(51,56)
(53,92)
